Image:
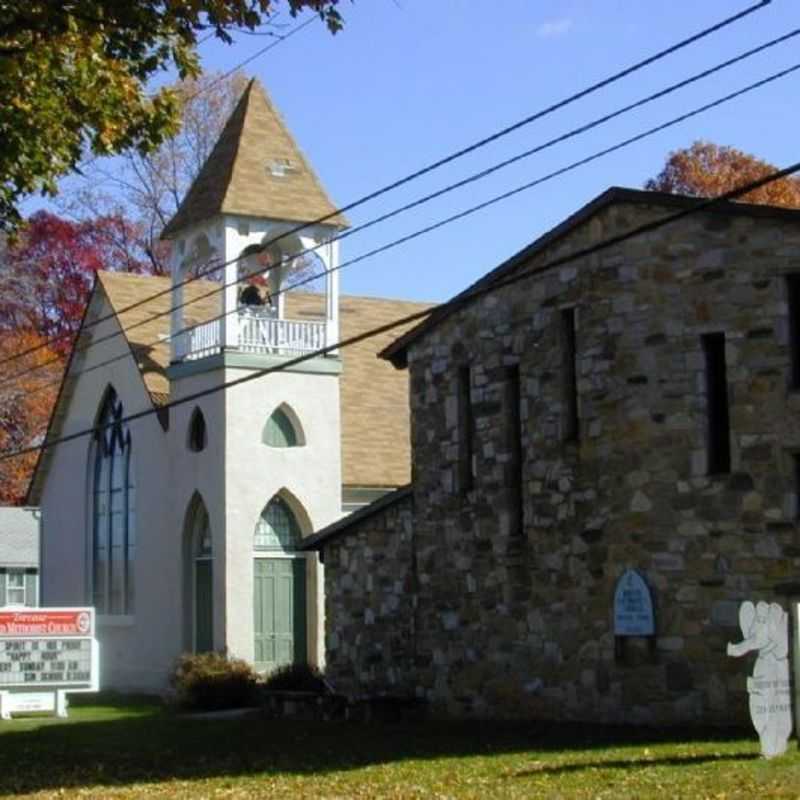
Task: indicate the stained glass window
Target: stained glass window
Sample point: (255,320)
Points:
(114,516)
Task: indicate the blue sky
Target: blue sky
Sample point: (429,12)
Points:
(408,81)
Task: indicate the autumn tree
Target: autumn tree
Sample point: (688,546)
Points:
(708,170)
(47,273)
(147,188)
(25,405)
(74,73)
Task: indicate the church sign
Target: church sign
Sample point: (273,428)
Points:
(45,653)
(633,606)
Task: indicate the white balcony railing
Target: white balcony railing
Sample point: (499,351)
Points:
(258,333)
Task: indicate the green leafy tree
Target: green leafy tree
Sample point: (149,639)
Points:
(73,77)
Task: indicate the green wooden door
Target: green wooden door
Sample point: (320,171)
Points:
(279,613)
(203,606)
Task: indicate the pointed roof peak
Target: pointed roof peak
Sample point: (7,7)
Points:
(256,169)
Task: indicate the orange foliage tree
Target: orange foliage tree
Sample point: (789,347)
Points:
(708,170)
(25,405)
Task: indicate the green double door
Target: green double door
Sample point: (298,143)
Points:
(279,613)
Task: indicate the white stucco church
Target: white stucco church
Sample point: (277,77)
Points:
(182,527)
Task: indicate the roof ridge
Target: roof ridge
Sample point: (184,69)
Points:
(244,101)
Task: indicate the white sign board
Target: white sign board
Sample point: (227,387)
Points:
(765,628)
(44,653)
(633,606)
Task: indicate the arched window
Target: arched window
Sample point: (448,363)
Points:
(113,512)
(201,577)
(277,527)
(197,431)
(283,429)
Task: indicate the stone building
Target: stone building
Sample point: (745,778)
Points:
(636,408)
(182,526)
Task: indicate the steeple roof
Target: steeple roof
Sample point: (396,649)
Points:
(255,169)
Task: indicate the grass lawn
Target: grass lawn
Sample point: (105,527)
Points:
(136,750)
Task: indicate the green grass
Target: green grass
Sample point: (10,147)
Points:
(131,750)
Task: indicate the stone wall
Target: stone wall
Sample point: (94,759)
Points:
(520,623)
(369,594)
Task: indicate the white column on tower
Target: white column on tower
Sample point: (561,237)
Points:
(177,339)
(230,296)
(330,257)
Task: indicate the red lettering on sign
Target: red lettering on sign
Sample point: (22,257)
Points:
(46,623)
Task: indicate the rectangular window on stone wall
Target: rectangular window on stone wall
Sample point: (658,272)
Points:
(514,446)
(466,431)
(793,296)
(570,423)
(718,419)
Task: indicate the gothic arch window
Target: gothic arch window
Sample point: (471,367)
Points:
(277,528)
(198,435)
(113,511)
(283,429)
(199,577)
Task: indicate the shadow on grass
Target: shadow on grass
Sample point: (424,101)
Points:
(633,763)
(144,744)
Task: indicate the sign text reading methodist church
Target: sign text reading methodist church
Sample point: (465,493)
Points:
(47,648)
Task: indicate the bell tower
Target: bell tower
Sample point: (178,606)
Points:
(271,470)
(242,214)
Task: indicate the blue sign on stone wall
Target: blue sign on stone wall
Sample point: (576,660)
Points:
(633,606)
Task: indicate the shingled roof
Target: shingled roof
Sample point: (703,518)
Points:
(255,169)
(374,396)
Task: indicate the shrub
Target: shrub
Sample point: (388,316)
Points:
(212,681)
(296,678)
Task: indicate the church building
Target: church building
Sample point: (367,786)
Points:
(183,527)
(605,437)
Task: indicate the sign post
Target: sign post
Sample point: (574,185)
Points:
(45,653)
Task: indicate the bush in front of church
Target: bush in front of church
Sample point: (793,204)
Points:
(297,678)
(213,681)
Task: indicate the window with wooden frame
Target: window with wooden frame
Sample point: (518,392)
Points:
(513,417)
(466,431)
(570,424)
(113,512)
(793,301)
(717,411)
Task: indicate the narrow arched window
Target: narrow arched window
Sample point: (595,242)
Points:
(114,516)
(283,429)
(201,564)
(277,527)
(197,431)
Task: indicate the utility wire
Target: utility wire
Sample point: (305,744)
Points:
(277,39)
(445,160)
(138,347)
(437,312)
(447,189)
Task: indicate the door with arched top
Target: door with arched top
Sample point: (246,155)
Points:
(279,589)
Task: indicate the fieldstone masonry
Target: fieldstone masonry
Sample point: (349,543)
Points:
(369,648)
(446,600)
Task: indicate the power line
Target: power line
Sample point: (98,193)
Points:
(452,187)
(277,39)
(438,311)
(446,221)
(447,159)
